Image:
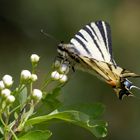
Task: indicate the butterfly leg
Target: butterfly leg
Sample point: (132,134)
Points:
(61,60)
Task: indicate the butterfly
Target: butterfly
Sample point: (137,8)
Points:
(90,50)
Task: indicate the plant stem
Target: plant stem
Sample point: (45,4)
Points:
(46,83)
(14,135)
(13,129)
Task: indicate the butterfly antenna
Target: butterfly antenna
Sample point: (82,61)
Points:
(49,36)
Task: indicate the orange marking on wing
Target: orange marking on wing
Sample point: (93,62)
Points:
(112,83)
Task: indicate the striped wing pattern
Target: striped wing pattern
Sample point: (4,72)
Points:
(94,41)
(91,50)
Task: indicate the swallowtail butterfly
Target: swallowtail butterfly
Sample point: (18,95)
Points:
(91,50)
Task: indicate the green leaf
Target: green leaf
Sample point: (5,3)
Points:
(94,110)
(23,96)
(51,102)
(1,129)
(25,117)
(36,135)
(98,128)
(51,99)
(56,92)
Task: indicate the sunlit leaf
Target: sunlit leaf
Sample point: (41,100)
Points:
(94,110)
(23,96)
(36,135)
(98,128)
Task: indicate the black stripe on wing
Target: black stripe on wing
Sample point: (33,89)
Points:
(106,35)
(83,44)
(105,31)
(100,34)
(92,34)
(94,40)
(80,34)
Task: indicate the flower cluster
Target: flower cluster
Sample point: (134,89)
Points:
(57,76)
(26,77)
(60,73)
(18,104)
(5,91)
(26,96)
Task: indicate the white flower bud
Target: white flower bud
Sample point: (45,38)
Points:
(55,75)
(10,99)
(37,94)
(34,58)
(64,68)
(33,77)
(5,92)
(7,80)
(63,78)
(25,75)
(2,86)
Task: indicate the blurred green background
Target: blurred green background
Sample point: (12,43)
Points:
(20,25)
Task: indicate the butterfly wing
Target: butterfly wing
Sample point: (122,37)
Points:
(91,50)
(94,41)
(91,47)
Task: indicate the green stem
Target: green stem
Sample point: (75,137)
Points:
(21,88)
(34,66)
(5,128)
(46,79)
(7,115)
(2,121)
(14,135)
(30,112)
(31,89)
(46,83)
(5,124)
(13,110)
(16,124)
